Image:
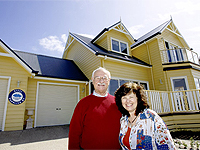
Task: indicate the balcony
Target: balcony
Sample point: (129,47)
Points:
(179,109)
(179,55)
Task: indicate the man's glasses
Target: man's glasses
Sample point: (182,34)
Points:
(98,78)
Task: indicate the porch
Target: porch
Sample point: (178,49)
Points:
(176,55)
(179,109)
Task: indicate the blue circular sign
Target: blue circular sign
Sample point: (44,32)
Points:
(17,96)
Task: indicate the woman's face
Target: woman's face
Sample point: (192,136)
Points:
(129,102)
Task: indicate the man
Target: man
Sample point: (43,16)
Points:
(95,123)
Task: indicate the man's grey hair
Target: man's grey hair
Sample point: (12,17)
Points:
(101,68)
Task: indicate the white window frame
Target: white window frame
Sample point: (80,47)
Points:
(6,101)
(198,83)
(180,77)
(129,80)
(116,78)
(120,46)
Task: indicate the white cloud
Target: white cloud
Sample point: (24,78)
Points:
(188,6)
(64,37)
(54,43)
(135,29)
(180,7)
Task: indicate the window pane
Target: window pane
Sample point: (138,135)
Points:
(123,81)
(113,86)
(197,83)
(115,45)
(123,47)
(144,85)
(179,84)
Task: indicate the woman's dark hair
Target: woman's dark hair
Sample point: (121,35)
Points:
(127,88)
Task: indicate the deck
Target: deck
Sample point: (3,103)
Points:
(179,109)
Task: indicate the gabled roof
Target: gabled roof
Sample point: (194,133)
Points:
(97,50)
(112,27)
(151,34)
(47,66)
(12,54)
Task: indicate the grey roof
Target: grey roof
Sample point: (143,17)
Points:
(151,34)
(47,66)
(101,51)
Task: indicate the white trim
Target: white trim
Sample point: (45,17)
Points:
(139,81)
(5,54)
(6,101)
(123,61)
(179,77)
(119,46)
(121,31)
(175,33)
(83,44)
(63,80)
(51,83)
(100,36)
(146,41)
(90,82)
(69,37)
(15,57)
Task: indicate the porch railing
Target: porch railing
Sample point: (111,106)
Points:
(174,101)
(179,55)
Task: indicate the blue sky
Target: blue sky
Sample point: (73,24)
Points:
(42,27)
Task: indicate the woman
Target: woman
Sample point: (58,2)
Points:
(141,127)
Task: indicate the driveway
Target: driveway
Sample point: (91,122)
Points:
(43,138)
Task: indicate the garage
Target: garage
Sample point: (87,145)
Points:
(55,104)
(3,99)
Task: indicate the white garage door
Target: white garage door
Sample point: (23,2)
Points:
(3,92)
(56,104)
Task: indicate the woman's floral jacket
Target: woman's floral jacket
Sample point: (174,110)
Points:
(149,132)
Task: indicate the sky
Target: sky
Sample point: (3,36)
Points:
(42,26)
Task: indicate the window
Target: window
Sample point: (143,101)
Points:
(179,83)
(197,83)
(119,46)
(174,53)
(116,83)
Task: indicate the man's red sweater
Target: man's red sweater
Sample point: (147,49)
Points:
(95,124)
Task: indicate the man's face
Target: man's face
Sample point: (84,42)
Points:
(101,82)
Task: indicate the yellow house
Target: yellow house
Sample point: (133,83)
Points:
(160,60)
(51,86)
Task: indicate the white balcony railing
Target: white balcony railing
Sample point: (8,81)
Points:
(179,55)
(174,101)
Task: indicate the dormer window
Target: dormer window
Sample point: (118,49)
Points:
(119,46)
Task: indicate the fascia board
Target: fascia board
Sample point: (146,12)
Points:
(83,43)
(63,80)
(13,55)
(123,61)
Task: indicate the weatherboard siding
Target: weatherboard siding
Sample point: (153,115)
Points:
(196,74)
(2,50)
(119,36)
(84,59)
(189,122)
(180,73)
(103,42)
(15,113)
(121,70)
(141,53)
(170,37)
(156,63)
